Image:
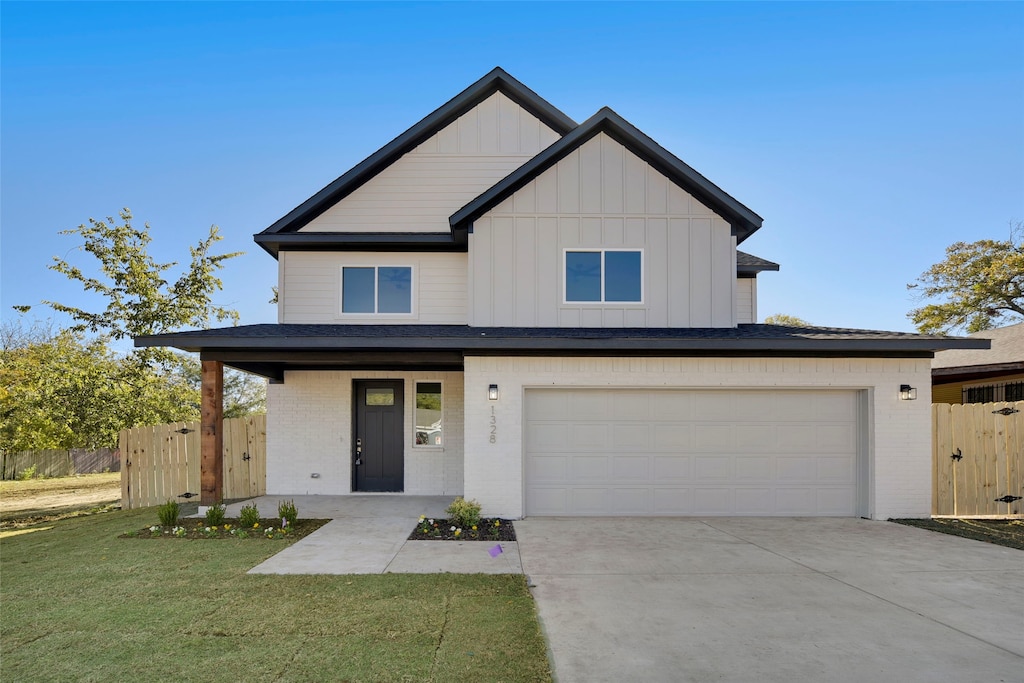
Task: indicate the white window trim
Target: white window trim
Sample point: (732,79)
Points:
(376,267)
(444,431)
(602,302)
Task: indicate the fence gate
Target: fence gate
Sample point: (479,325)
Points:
(162,463)
(978,460)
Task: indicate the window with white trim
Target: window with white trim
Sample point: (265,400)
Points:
(428,416)
(603,276)
(376,290)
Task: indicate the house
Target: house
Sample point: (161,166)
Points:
(982,375)
(554,318)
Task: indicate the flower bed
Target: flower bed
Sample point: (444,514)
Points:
(269,529)
(445,530)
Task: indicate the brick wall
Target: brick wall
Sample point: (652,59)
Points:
(309,431)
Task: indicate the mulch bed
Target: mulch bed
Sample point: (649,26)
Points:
(268,529)
(490,529)
(1005,532)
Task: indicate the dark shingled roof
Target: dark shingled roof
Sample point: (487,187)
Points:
(748,264)
(750,339)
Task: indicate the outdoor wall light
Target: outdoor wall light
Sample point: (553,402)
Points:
(907,393)
(492,392)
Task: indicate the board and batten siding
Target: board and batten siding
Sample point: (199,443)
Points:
(422,189)
(602,196)
(746,300)
(310,287)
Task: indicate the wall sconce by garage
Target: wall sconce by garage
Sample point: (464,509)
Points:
(907,393)
(492,392)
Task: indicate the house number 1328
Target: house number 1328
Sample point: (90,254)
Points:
(494,426)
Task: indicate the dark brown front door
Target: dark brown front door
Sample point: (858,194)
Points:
(378,447)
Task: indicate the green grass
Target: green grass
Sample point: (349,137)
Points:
(79,604)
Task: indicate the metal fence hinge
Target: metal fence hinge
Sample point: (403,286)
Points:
(1005,411)
(246,456)
(188,494)
(184,430)
(958,455)
(1007,499)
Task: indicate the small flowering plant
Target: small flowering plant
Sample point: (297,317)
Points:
(429,529)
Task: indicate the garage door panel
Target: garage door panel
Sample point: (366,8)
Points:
(631,501)
(673,467)
(632,405)
(707,467)
(544,436)
(672,406)
(630,436)
(589,501)
(628,468)
(753,468)
(547,405)
(590,436)
(591,406)
(672,501)
(713,501)
(712,437)
(550,467)
(754,501)
(589,467)
(692,452)
(672,437)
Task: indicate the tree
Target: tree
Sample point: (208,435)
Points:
(786,320)
(139,300)
(982,283)
(58,390)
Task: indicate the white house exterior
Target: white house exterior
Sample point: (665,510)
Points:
(554,318)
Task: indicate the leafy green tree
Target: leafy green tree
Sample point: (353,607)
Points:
(981,284)
(140,300)
(58,390)
(786,320)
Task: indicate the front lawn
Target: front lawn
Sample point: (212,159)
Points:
(78,603)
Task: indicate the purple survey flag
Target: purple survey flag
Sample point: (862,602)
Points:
(496,550)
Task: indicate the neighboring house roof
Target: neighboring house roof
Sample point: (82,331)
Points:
(497,80)
(266,349)
(743,221)
(748,264)
(1005,357)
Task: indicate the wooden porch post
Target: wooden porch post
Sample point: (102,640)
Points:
(211,468)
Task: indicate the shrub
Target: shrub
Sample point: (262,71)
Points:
(27,473)
(464,513)
(215,515)
(286,510)
(168,513)
(249,516)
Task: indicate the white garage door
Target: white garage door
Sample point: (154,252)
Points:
(676,452)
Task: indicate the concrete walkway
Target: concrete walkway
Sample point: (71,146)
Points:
(757,599)
(367,535)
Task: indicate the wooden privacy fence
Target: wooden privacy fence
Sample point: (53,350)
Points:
(978,460)
(61,463)
(162,462)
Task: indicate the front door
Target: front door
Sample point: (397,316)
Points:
(378,448)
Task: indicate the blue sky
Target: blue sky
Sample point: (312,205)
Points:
(869,136)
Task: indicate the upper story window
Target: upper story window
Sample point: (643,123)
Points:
(376,289)
(603,276)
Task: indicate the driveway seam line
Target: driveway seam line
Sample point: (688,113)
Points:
(867,592)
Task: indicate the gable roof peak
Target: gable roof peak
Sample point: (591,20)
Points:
(497,79)
(744,222)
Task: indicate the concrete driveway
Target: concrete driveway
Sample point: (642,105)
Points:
(744,599)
